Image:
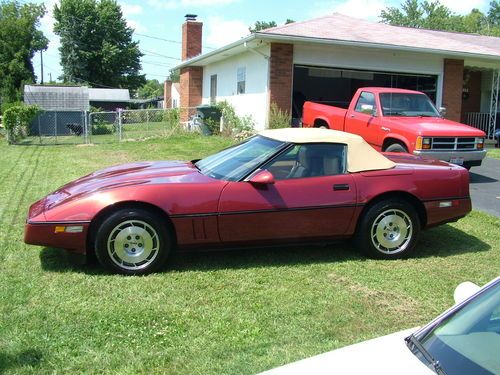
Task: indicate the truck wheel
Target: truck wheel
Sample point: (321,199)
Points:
(396,147)
(388,230)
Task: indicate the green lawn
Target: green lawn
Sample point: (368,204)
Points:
(234,312)
(494,153)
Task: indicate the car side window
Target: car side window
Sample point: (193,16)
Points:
(365,98)
(309,160)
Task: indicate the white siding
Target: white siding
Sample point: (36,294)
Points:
(176,97)
(371,59)
(254,102)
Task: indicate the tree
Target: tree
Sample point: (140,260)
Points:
(262,25)
(151,89)
(96,44)
(435,16)
(19,40)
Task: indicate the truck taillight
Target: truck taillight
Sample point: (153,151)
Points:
(423,143)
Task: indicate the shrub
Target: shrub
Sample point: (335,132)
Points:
(279,118)
(172,117)
(17,120)
(234,125)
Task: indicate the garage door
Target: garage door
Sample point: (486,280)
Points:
(336,86)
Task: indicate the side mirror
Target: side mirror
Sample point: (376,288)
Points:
(442,111)
(368,109)
(263,177)
(464,291)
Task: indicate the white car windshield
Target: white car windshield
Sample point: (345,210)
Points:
(468,342)
(235,163)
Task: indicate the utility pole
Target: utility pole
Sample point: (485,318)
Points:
(41,65)
(50,76)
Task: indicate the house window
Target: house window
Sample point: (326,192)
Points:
(213,89)
(241,78)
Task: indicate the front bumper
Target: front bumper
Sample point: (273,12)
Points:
(467,156)
(44,234)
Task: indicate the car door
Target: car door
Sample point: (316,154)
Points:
(306,202)
(363,122)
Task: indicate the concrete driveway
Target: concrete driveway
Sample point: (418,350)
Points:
(485,186)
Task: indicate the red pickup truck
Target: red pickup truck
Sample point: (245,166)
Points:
(396,120)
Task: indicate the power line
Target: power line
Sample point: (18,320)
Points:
(159,55)
(167,40)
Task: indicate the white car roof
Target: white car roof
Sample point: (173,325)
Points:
(360,155)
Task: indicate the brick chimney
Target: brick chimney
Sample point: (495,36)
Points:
(191,37)
(191,77)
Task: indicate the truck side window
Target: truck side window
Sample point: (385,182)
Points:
(365,98)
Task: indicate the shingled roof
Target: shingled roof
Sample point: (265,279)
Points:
(340,27)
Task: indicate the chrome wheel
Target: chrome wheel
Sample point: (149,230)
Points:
(392,231)
(133,245)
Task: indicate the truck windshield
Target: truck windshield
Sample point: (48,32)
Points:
(407,105)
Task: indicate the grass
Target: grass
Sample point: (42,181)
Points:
(209,313)
(494,153)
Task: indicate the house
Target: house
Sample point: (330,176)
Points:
(75,98)
(326,59)
(171,94)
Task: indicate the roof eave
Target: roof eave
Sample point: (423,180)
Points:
(304,39)
(281,38)
(201,57)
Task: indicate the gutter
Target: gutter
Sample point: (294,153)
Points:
(312,40)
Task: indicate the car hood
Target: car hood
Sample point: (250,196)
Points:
(435,126)
(383,355)
(140,173)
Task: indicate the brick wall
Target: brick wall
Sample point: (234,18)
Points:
(452,88)
(191,39)
(471,102)
(281,75)
(191,82)
(167,94)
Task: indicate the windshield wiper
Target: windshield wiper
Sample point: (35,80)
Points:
(413,341)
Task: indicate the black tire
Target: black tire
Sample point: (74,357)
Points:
(133,242)
(396,147)
(389,229)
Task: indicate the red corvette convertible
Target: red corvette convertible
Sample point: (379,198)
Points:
(281,186)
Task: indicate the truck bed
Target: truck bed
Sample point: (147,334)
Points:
(323,115)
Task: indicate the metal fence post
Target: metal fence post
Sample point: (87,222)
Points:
(55,125)
(120,124)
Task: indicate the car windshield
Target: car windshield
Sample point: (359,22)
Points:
(407,105)
(468,342)
(234,163)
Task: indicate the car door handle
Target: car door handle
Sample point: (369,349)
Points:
(337,187)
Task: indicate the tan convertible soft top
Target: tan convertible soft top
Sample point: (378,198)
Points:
(360,155)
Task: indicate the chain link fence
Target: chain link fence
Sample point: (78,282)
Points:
(67,127)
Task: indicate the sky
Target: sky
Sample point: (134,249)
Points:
(157,24)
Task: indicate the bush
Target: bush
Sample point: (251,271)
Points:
(172,117)
(233,125)
(17,120)
(6,106)
(279,118)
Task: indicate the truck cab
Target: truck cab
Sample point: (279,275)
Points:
(397,120)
